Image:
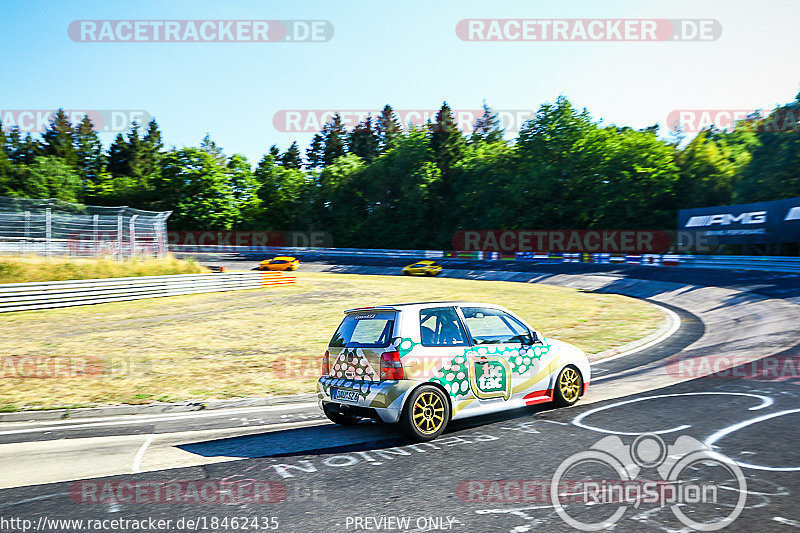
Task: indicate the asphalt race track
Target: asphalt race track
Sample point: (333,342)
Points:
(727,378)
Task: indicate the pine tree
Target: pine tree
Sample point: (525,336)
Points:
(58,139)
(89,154)
(334,136)
(291,158)
(363,140)
(274,151)
(387,129)
(446,142)
(315,152)
(487,127)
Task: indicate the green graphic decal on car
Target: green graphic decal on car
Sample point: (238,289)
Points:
(456,376)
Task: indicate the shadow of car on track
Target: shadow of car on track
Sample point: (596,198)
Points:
(330,438)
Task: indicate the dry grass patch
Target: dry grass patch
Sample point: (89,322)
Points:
(25,269)
(258,342)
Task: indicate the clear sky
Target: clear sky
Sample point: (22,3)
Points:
(403,53)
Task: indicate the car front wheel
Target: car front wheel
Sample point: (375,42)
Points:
(426,413)
(568,387)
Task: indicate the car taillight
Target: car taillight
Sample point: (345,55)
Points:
(325,366)
(391,367)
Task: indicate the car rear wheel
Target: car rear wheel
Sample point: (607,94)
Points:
(568,387)
(339,418)
(426,413)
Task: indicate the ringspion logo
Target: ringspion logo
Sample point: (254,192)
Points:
(588,30)
(199,31)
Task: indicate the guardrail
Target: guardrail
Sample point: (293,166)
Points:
(53,294)
(728,262)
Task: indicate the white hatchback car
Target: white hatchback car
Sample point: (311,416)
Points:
(424,364)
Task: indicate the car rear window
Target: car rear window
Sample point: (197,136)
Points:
(365,330)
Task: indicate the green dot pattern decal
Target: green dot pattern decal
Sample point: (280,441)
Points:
(454,376)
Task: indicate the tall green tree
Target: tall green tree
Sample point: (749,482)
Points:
(291,157)
(58,139)
(334,138)
(197,187)
(244,187)
(315,155)
(487,127)
(89,155)
(388,129)
(363,140)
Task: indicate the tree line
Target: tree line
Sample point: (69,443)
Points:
(379,184)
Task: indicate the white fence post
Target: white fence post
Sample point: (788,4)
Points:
(133,235)
(96,235)
(119,236)
(48,231)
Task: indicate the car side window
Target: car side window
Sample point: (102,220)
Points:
(493,326)
(441,326)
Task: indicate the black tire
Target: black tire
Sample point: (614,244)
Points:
(339,418)
(405,273)
(429,406)
(568,387)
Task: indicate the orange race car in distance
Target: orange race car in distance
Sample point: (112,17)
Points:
(280,263)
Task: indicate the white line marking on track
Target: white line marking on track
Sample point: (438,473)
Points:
(136,467)
(786,521)
(722,433)
(765,402)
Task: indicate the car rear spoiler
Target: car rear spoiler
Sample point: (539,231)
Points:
(375,308)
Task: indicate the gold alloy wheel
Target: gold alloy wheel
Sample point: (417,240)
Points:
(569,384)
(428,413)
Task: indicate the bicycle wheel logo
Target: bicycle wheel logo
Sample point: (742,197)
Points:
(693,480)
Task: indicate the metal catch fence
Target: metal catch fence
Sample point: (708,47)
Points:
(52,227)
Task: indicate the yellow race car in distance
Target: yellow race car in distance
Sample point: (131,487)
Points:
(423,268)
(280,263)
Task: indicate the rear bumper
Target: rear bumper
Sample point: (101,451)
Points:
(383,399)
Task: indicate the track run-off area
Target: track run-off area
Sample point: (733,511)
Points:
(725,375)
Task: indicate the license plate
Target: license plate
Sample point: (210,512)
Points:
(344,394)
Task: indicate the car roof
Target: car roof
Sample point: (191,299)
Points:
(424,261)
(410,306)
(284,257)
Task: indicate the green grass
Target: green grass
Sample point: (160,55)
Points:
(258,342)
(25,269)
